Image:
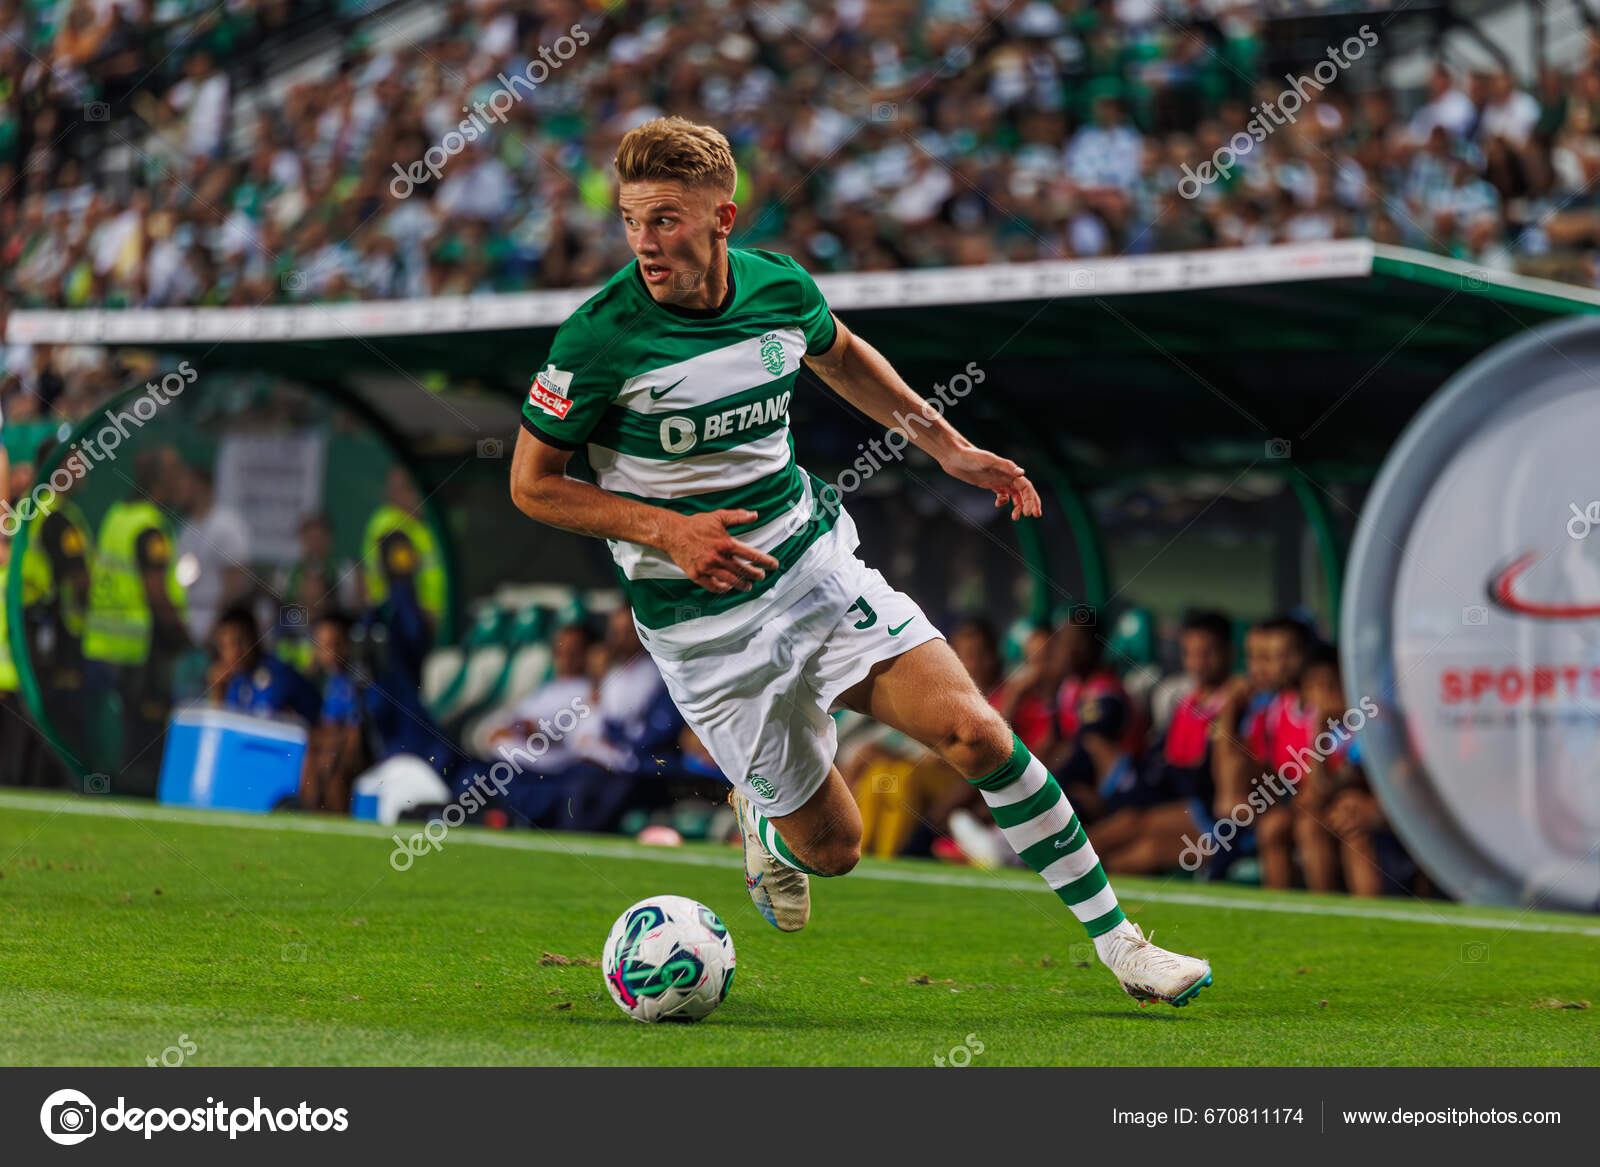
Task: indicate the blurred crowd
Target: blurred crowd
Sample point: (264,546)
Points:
(1253,774)
(871,135)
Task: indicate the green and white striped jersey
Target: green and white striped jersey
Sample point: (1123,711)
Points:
(690,410)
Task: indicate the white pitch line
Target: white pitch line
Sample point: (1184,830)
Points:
(621,849)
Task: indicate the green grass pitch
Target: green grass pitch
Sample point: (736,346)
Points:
(125,928)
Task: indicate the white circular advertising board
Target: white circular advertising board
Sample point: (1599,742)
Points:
(1472,618)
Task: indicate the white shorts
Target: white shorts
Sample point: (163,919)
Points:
(760,702)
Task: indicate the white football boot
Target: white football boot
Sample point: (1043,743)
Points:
(1148,973)
(780,893)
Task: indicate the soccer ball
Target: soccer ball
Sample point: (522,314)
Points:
(668,958)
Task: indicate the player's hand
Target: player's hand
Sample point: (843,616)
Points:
(1236,695)
(1001,475)
(714,559)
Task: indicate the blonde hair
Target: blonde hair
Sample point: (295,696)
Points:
(676,149)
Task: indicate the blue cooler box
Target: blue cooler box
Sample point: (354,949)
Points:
(230,761)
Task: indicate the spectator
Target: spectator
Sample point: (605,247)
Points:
(318,582)
(247,680)
(1074,656)
(537,793)
(1267,740)
(636,742)
(1026,698)
(337,749)
(1146,816)
(369,712)
(1447,108)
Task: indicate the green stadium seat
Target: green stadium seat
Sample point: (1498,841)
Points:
(1133,639)
(482,657)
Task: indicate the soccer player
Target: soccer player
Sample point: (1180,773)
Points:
(741,570)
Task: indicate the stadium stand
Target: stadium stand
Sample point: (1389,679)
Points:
(1054,130)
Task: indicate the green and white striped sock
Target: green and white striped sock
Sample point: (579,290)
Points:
(776,847)
(1039,823)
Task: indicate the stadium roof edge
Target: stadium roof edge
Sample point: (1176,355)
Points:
(1424,267)
(864,291)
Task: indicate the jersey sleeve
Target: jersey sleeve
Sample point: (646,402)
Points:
(568,395)
(816,320)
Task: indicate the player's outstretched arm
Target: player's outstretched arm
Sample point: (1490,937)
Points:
(700,544)
(860,374)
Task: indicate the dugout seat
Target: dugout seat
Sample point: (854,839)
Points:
(482,656)
(524,629)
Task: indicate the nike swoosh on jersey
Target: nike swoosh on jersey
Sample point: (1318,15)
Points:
(658,394)
(899,630)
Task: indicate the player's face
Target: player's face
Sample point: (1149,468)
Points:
(1203,658)
(1320,690)
(1256,667)
(973,650)
(232,648)
(571,653)
(331,647)
(621,635)
(674,230)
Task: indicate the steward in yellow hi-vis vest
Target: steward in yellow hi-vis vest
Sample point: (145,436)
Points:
(55,608)
(398,546)
(135,631)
